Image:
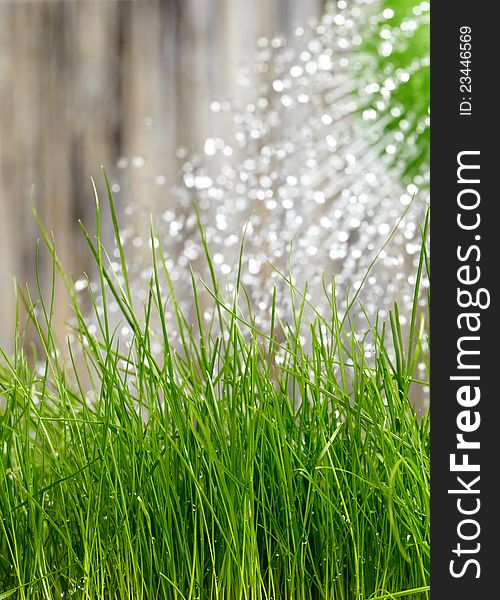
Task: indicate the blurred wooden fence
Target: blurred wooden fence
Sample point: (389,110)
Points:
(84,82)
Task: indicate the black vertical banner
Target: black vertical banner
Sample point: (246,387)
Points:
(465,238)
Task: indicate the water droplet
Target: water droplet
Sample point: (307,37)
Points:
(81,284)
(138,161)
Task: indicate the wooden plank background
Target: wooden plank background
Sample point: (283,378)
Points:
(85,82)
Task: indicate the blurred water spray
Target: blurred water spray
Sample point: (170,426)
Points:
(315,167)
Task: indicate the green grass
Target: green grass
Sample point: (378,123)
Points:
(237,465)
(411,97)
